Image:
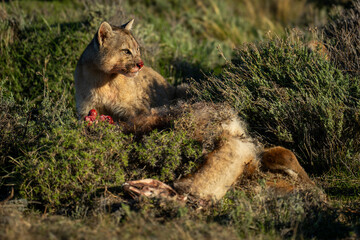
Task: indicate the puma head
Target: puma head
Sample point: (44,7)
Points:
(118,50)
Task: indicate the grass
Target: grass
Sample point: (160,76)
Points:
(67,177)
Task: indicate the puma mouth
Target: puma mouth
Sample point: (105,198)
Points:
(128,73)
(131,74)
(135,70)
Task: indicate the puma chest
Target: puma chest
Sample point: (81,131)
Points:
(120,91)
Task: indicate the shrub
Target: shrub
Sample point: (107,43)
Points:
(71,165)
(168,155)
(342,37)
(293,98)
(301,215)
(52,158)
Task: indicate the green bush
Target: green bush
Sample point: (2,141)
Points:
(68,166)
(293,98)
(41,59)
(168,154)
(52,158)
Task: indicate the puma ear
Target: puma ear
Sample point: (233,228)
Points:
(105,31)
(128,25)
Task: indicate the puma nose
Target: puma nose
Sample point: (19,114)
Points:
(140,64)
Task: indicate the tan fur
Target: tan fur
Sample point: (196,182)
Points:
(232,149)
(280,186)
(220,171)
(282,159)
(225,164)
(107,77)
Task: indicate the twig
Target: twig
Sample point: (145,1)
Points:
(9,197)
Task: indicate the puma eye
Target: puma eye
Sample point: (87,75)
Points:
(127,51)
